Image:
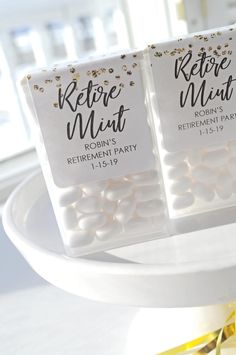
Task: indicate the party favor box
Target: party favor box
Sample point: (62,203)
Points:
(193,81)
(97,149)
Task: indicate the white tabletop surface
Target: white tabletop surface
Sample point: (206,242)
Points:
(39,319)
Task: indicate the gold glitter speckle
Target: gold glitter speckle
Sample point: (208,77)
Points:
(72,70)
(123,56)
(117,76)
(129,72)
(106,82)
(110,70)
(134,65)
(158,54)
(55,104)
(131,83)
(76,76)
(121,85)
(57,77)
(41,89)
(124,67)
(36,87)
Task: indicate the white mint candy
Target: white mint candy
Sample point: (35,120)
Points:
(178,171)
(79,238)
(180,186)
(183,201)
(203,192)
(69,217)
(215,158)
(175,158)
(146,193)
(204,174)
(118,191)
(94,188)
(194,158)
(89,204)
(125,210)
(149,208)
(108,207)
(232,167)
(224,186)
(224,194)
(109,230)
(145,178)
(69,195)
(92,221)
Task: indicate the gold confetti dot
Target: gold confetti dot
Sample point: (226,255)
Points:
(55,104)
(41,89)
(76,76)
(158,54)
(121,85)
(134,65)
(117,76)
(110,70)
(129,72)
(106,82)
(153,46)
(36,87)
(72,70)
(131,83)
(123,56)
(57,77)
(134,55)
(124,67)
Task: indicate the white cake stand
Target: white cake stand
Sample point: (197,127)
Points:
(193,269)
(189,270)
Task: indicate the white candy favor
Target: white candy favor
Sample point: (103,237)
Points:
(193,91)
(95,142)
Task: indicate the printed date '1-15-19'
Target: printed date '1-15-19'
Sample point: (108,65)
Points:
(211,130)
(104,164)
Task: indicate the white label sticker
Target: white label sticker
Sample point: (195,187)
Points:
(93,119)
(195,82)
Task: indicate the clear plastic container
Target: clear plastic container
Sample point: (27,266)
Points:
(193,99)
(96,144)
